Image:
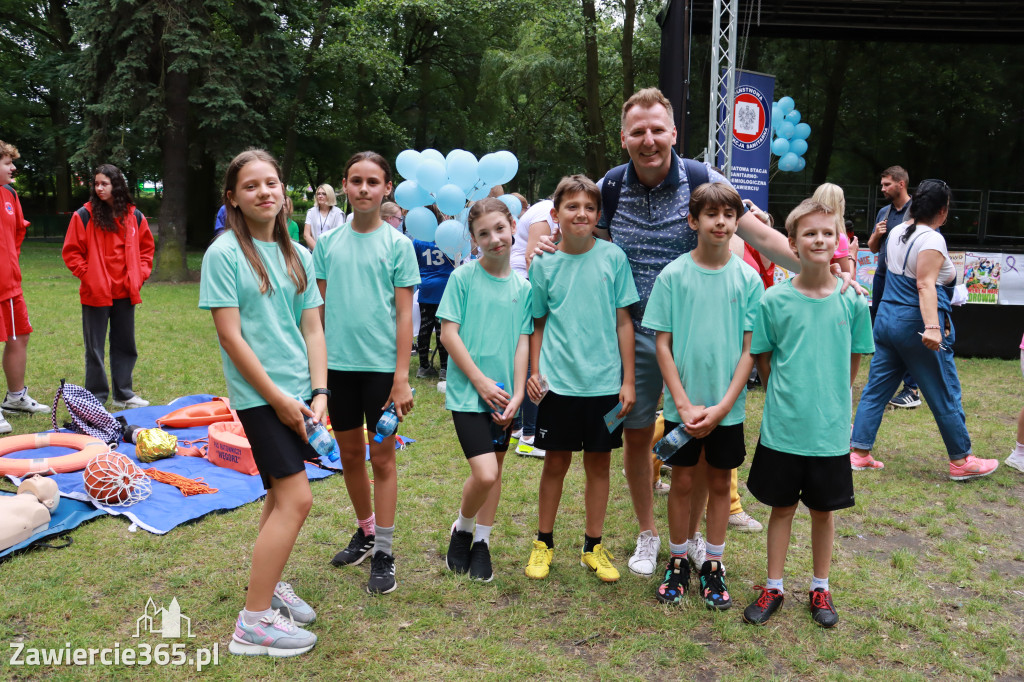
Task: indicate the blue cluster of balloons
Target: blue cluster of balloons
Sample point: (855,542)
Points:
(450,182)
(791,135)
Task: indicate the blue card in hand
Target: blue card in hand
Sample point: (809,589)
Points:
(611,421)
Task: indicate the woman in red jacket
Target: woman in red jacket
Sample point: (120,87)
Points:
(110,249)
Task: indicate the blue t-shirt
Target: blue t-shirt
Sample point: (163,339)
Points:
(435,269)
(650,226)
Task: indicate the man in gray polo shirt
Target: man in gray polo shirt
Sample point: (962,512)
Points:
(650,225)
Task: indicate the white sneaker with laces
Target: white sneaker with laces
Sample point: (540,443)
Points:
(25,403)
(5,426)
(1014,461)
(286,601)
(645,558)
(131,403)
(697,551)
(744,523)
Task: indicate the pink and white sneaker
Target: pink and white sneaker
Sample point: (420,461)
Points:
(972,468)
(864,462)
(272,635)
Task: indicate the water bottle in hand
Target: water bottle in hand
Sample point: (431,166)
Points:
(497,430)
(321,440)
(670,444)
(388,423)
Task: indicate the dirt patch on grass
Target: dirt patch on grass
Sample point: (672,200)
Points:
(879,546)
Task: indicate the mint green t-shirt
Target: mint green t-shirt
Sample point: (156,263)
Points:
(807,402)
(707,312)
(580,293)
(492,313)
(362,272)
(270,322)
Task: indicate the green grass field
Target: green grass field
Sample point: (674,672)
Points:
(928,575)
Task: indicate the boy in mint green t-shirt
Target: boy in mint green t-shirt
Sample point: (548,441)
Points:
(808,338)
(583,346)
(702,307)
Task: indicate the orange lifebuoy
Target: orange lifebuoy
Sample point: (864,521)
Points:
(200,414)
(87,446)
(229,448)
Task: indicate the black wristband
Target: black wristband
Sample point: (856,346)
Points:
(322,391)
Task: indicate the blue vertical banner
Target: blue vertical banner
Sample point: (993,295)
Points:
(751,135)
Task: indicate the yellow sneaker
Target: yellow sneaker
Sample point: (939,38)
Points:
(600,561)
(540,561)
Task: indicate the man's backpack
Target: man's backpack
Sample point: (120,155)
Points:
(696,175)
(88,416)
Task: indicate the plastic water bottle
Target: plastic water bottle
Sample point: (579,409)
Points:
(497,430)
(321,440)
(670,444)
(543,381)
(388,423)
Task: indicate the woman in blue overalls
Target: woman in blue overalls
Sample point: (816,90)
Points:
(913,331)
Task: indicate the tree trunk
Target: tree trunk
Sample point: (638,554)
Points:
(596,163)
(301,90)
(833,99)
(628,26)
(169,264)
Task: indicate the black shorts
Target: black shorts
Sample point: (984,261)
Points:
(724,448)
(476,431)
(575,424)
(277,450)
(357,398)
(779,479)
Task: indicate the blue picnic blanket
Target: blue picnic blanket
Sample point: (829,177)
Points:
(166,507)
(68,515)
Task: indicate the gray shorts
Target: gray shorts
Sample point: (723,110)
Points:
(649,384)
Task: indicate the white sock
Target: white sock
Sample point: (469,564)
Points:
(463,524)
(819,582)
(1019,450)
(774,585)
(253,617)
(482,532)
(15,395)
(678,550)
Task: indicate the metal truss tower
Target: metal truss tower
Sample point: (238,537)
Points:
(724,34)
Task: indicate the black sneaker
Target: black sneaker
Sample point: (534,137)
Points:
(382,574)
(907,398)
(359,547)
(480,562)
(458,557)
(677,581)
(426,372)
(712,586)
(762,609)
(443,374)
(823,612)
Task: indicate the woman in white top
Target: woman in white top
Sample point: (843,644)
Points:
(323,217)
(536,221)
(913,331)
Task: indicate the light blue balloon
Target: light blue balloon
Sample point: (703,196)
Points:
(786,130)
(777,116)
(407,163)
(511,166)
(780,146)
(793,117)
(802,131)
(431,175)
(409,195)
(491,169)
(421,223)
(480,192)
(454,152)
(451,199)
(788,162)
(432,154)
(515,207)
(801,163)
(798,146)
(786,105)
(462,169)
(463,218)
(450,237)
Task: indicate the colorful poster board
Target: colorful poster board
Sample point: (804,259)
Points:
(1011,280)
(867,263)
(981,276)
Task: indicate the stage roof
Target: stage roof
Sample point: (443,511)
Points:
(957,21)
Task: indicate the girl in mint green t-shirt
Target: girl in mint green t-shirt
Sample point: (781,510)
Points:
(366,272)
(259,288)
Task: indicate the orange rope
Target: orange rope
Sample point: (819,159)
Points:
(187,486)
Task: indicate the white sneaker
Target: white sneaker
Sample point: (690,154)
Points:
(697,551)
(525,448)
(744,523)
(5,426)
(1014,461)
(133,402)
(25,403)
(442,386)
(645,558)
